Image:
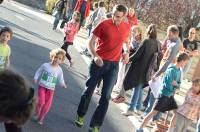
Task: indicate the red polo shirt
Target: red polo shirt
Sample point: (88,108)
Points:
(110,39)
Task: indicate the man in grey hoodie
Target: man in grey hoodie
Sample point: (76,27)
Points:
(172,50)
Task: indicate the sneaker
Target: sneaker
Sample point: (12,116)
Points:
(94,129)
(116,91)
(40,122)
(141,118)
(79,121)
(140,130)
(128,113)
(143,109)
(119,99)
(35,118)
(54,28)
(86,53)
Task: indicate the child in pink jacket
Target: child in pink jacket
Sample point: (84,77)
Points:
(70,30)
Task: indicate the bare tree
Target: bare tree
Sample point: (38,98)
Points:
(165,12)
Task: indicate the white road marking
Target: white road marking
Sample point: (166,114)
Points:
(20,17)
(40,15)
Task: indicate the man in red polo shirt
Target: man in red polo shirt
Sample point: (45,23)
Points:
(109,36)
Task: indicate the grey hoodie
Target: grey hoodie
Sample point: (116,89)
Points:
(173,51)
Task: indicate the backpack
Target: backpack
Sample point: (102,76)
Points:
(155,63)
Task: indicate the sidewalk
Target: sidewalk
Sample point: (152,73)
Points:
(81,43)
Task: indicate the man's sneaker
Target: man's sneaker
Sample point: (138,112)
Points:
(79,121)
(94,129)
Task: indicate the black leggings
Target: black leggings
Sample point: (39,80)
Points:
(65,47)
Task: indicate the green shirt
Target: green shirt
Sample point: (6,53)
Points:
(4,55)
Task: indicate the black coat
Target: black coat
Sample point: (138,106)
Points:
(141,59)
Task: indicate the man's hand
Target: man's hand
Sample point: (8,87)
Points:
(98,61)
(125,58)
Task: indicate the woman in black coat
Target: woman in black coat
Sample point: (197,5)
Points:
(136,76)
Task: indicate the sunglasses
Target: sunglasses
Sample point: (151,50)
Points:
(192,33)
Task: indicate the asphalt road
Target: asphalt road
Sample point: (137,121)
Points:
(33,39)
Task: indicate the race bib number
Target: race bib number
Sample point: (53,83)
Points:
(48,79)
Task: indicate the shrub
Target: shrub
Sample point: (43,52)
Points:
(49,5)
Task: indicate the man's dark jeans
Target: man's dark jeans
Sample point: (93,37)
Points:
(108,72)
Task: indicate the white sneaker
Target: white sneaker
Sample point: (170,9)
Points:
(128,113)
(40,122)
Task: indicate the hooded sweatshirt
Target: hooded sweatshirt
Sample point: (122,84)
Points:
(172,74)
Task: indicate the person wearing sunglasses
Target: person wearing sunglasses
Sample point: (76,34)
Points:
(191,47)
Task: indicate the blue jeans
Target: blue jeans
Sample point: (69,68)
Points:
(89,31)
(136,99)
(150,106)
(69,14)
(198,126)
(57,19)
(108,72)
(187,67)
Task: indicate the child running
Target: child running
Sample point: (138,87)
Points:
(5,35)
(189,111)
(47,76)
(70,30)
(171,82)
